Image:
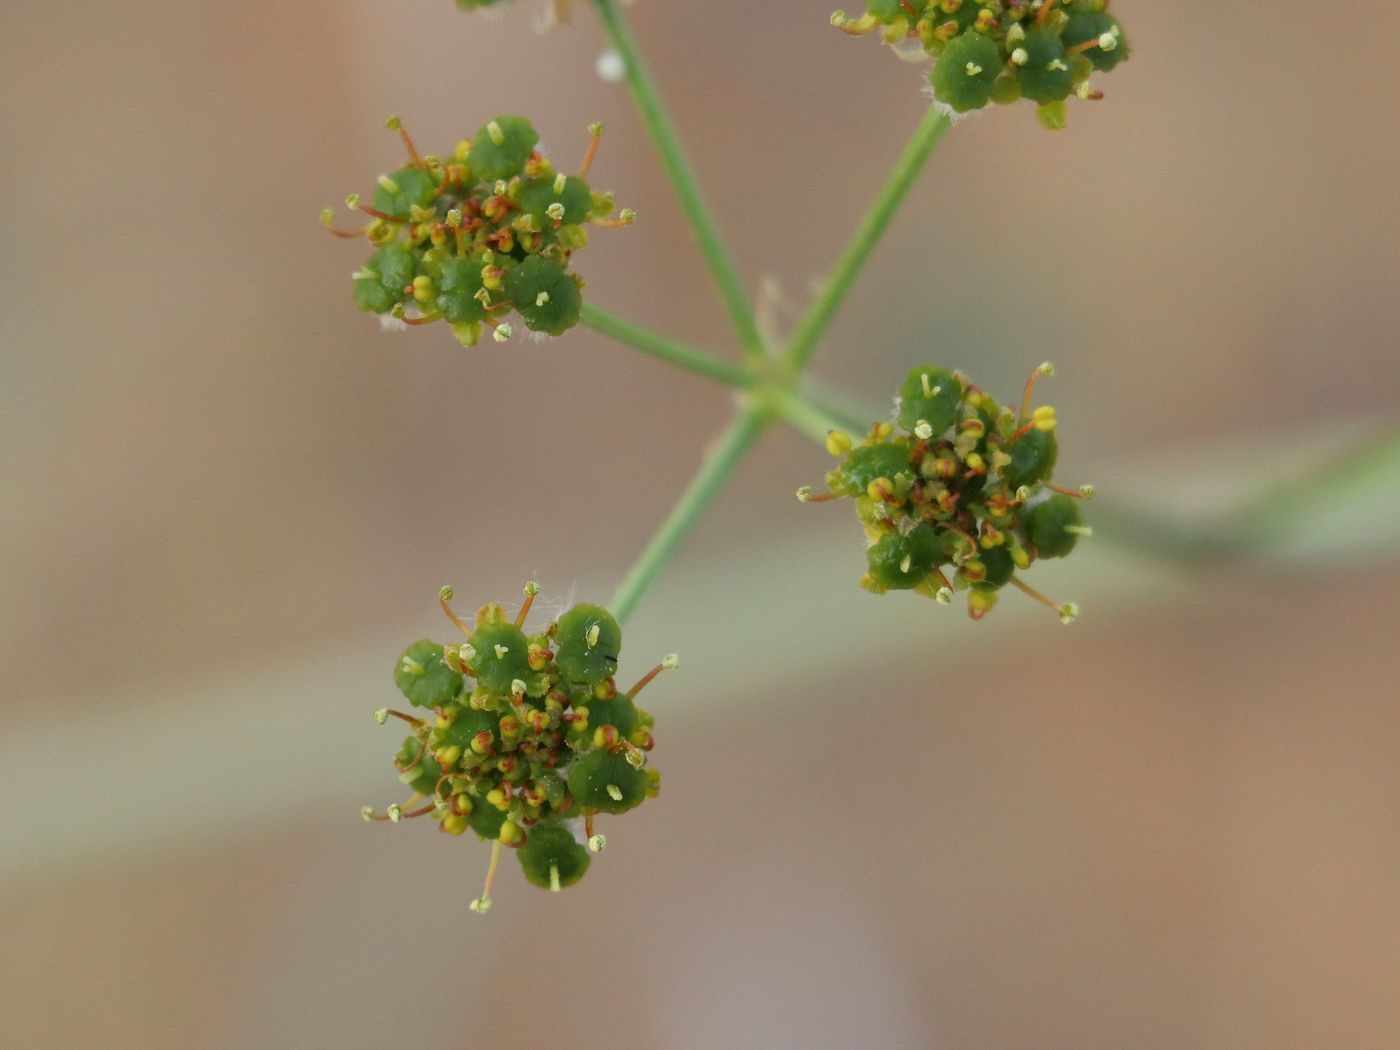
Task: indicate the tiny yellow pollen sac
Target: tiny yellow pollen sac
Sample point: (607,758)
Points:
(593,632)
(493,130)
(614,793)
(804,494)
(973,69)
(454,824)
(542,298)
(838,442)
(423,289)
(388,183)
(501,651)
(561,181)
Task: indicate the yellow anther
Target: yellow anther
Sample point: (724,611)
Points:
(388,183)
(494,132)
(838,443)
(454,824)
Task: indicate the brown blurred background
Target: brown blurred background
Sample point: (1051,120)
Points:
(229,500)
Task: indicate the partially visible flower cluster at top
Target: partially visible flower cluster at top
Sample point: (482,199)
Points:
(1002,50)
(470,238)
(961,482)
(525,733)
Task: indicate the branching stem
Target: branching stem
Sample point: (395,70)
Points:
(682,176)
(726,455)
(823,309)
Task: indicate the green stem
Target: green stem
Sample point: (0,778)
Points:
(666,349)
(733,444)
(806,417)
(819,315)
(682,176)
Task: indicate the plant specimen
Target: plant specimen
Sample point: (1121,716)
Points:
(520,736)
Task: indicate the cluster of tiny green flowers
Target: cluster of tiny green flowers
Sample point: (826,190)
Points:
(960,482)
(1003,50)
(526,734)
(471,238)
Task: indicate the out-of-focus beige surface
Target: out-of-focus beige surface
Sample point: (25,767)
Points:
(228,497)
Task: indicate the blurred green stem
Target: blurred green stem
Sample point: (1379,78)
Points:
(666,349)
(682,176)
(819,315)
(726,455)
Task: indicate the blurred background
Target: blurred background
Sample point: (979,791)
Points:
(229,500)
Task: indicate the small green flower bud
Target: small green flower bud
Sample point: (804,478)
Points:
(551,858)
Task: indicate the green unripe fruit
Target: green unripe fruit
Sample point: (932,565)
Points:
(551,858)
(538,195)
(423,777)
(587,643)
(423,678)
(1045,75)
(381,283)
(467,723)
(501,148)
(1000,568)
(619,712)
(545,295)
(502,656)
(485,819)
(965,72)
(929,395)
(901,563)
(1033,457)
(459,283)
(1050,526)
(606,781)
(865,463)
(1092,26)
(399,193)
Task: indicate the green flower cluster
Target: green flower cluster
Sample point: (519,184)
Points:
(471,238)
(961,482)
(1003,50)
(528,732)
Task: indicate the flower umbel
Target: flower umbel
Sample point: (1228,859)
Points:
(527,733)
(488,231)
(1002,50)
(959,482)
